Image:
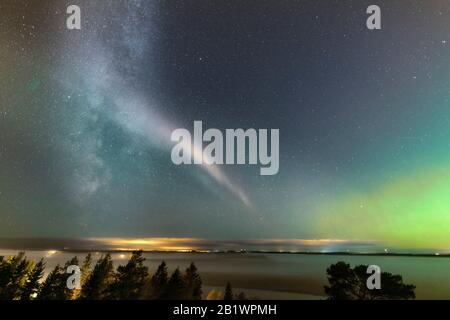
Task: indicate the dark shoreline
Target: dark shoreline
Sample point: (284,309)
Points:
(219,252)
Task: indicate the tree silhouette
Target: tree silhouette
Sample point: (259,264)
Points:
(193,283)
(55,285)
(32,285)
(175,289)
(157,284)
(228,292)
(86,268)
(69,293)
(99,280)
(346,283)
(14,273)
(129,280)
(50,289)
(20,279)
(85,272)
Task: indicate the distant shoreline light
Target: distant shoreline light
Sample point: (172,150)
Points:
(200,245)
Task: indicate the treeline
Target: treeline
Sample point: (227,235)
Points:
(347,283)
(21,279)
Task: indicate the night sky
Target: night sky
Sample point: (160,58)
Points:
(364,118)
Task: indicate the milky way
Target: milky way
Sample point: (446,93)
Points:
(109,92)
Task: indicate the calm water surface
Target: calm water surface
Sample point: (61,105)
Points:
(283,274)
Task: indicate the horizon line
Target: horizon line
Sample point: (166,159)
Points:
(186,244)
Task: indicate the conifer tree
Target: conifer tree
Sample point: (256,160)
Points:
(13,276)
(32,284)
(157,284)
(176,287)
(68,293)
(228,292)
(55,285)
(85,272)
(86,268)
(193,283)
(99,280)
(129,280)
(50,288)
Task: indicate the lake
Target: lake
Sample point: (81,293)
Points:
(280,276)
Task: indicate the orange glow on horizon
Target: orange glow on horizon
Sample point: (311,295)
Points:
(203,245)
